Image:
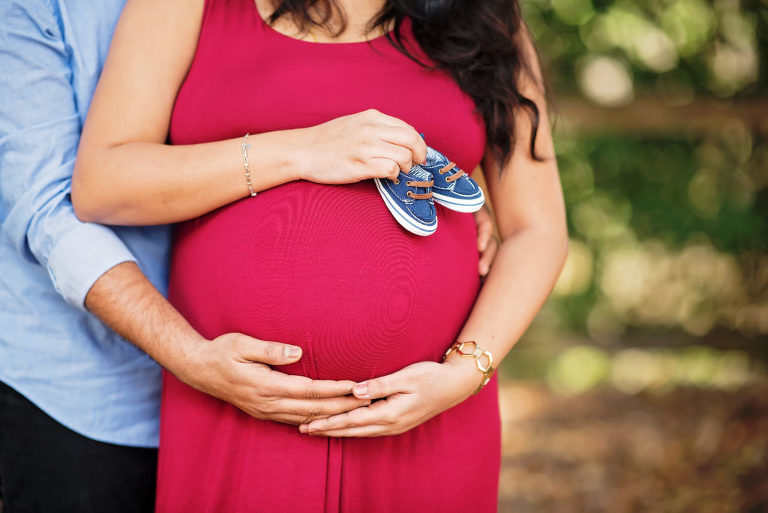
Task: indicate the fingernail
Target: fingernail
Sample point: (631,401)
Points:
(303,428)
(484,246)
(292,352)
(484,270)
(361,390)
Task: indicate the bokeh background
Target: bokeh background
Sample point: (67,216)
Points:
(642,384)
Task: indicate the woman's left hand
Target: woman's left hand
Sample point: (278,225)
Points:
(407,398)
(487,244)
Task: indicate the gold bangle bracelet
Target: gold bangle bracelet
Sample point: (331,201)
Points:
(483,359)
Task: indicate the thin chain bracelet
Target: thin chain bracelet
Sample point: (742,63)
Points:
(245,147)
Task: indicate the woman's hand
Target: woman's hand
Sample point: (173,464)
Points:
(351,148)
(408,398)
(487,244)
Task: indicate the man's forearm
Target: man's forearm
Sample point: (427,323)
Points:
(126,301)
(233,367)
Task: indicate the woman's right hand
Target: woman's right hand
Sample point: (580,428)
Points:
(351,148)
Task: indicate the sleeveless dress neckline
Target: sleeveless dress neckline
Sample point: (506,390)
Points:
(270,29)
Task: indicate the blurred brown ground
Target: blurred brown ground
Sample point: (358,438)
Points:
(683,450)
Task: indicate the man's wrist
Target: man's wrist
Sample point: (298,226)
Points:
(189,359)
(125,300)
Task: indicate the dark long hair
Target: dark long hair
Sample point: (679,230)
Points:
(480,43)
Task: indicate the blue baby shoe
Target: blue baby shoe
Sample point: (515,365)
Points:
(453,188)
(409,199)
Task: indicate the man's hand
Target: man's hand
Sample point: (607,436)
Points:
(233,367)
(409,397)
(487,244)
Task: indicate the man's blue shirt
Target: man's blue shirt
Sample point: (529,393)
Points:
(51,350)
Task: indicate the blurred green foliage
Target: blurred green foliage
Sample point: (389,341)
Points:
(677,48)
(669,228)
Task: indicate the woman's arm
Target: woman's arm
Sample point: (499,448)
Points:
(126,174)
(530,211)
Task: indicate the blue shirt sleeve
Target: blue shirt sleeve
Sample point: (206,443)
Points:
(39,133)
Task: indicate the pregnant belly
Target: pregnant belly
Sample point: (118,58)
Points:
(327,268)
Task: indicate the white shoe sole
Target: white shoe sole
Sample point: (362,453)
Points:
(458,204)
(406,222)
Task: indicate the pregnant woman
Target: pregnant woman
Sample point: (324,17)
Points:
(332,93)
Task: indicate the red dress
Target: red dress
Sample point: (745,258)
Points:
(325,267)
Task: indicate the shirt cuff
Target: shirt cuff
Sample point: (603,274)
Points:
(80,258)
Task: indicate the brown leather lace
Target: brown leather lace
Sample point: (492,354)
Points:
(452,178)
(414,183)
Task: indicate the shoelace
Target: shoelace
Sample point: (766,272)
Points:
(451,165)
(416,195)
(416,183)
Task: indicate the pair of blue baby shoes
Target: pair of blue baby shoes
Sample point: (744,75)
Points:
(411,197)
